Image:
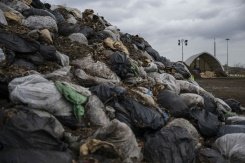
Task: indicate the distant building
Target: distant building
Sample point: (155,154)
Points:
(205,63)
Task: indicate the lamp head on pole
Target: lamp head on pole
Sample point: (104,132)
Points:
(227,39)
(186,42)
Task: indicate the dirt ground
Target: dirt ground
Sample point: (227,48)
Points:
(225,88)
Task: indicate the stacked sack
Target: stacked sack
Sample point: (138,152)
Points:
(74,88)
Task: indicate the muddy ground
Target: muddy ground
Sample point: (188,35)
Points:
(225,88)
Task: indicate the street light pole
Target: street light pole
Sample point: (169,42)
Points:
(182,42)
(227,69)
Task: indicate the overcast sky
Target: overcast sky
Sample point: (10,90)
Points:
(163,22)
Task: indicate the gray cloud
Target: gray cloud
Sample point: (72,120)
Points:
(162,23)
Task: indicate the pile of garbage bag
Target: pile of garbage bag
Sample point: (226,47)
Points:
(74,88)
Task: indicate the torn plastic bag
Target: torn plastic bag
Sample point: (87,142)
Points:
(60,73)
(235,105)
(2,18)
(62,59)
(88,80)
(192,100)
(120,135)
(24,129)
(82,90)
(95,68)
(73,97)
(45,36)
(222,106)
(183,123)
(95,112)
(78,37)
(187,87)
(209,99)
(231,129)
(121,65)
(208,123)
(152,67)
(34,155)
(139,117)
(116,45)
(167,80)
(107,91)
(208,155)
(236,120)
(182,69)
(40,22)
(144,97)
(170,145)
(94,147)
(37,12)
(173,103)
(232,146)
(39,93)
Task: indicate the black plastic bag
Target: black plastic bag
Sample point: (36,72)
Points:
(139,117)
(27,130)
(180,68)
(31,155)
(208,155)
(234,105)
(153,53)
(173,103)
(65,29)
(107,92)
(231,129)
(208,123)
(170,145)
(121,65)
(86,31)
(37,4)
(23,46)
